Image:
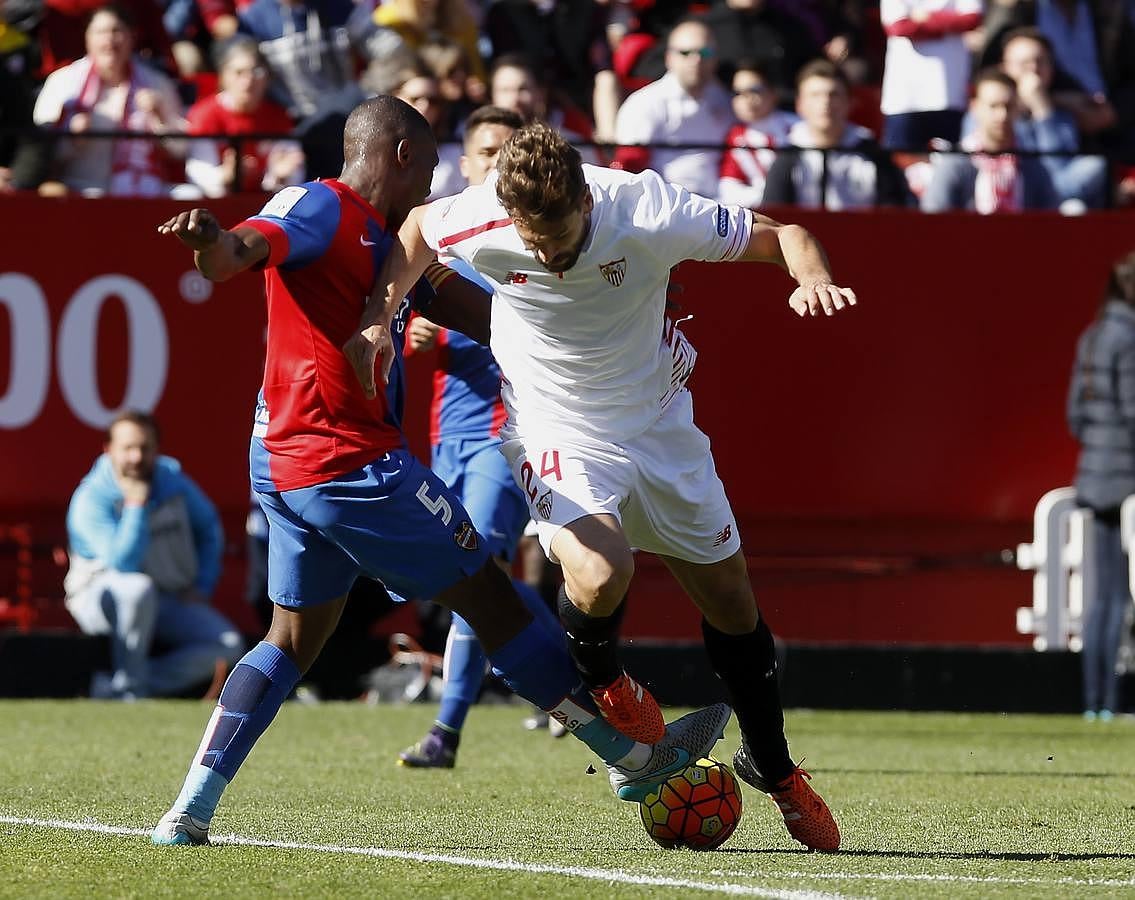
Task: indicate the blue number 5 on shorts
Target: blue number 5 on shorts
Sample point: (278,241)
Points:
(392,520)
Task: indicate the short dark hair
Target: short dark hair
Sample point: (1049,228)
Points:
(760,69)
(518,61)
(134,417)
(224,51)
(492,115)
(119,12)
(1029,33)
(823,68)
(996,75)
(484,116)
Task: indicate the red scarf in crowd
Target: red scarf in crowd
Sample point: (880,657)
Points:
(134,163)
(998,187)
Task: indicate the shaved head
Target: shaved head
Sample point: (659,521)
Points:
(389,154)
(382,122)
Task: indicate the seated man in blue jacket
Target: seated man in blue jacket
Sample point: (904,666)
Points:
(145,547)
(1047,123)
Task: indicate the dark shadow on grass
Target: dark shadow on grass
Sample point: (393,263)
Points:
(901,854)
(973,774)
(638,850)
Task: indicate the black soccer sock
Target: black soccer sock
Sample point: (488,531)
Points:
(746,663)
(593,641)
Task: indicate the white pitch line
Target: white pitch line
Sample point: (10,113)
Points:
(507,865)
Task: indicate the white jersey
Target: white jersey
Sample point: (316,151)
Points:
(589,351)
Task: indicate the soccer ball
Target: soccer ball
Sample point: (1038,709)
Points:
(698,808)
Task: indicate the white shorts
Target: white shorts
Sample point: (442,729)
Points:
(661,485)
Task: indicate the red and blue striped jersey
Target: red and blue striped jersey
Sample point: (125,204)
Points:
(313,422)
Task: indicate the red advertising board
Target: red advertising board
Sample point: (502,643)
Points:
(924,423)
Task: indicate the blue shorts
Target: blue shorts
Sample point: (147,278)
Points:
(392,520)
(479,474)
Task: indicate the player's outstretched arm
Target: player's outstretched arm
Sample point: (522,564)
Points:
(408,258)
(217,253)
(794,248)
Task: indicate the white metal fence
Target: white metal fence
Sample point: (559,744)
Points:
(1062,559)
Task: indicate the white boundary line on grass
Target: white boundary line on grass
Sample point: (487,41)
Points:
(607,875)
(610,875)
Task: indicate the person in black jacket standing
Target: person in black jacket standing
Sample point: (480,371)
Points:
(1101,415)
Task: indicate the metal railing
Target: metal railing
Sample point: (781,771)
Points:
(1062,558)
(1115,162)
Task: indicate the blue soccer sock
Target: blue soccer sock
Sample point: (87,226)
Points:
(464,673)
(535,664)
(465,660)
(249,701)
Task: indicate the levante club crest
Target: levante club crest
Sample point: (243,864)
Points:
(615,271)
(466,536)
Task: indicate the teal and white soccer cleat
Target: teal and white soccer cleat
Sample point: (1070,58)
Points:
(686,740)
(180,828)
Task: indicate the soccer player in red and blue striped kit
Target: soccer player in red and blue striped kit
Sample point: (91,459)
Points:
(343,495)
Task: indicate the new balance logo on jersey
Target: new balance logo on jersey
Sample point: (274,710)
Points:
(516,278)
(722,536)
(614,271)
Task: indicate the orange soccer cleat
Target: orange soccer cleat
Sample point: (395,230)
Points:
(630,709)
(806,815)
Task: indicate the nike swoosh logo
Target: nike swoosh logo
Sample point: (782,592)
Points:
(639,789)
(365,242)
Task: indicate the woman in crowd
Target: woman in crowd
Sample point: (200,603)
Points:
(240,107)
(1101,414)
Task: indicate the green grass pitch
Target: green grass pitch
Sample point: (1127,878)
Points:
(931,805)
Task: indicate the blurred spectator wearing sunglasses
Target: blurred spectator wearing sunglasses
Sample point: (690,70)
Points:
(686,106)
(760,127)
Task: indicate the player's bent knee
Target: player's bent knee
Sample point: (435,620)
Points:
(134,588)
(597,584)
(301,633)
(732,612)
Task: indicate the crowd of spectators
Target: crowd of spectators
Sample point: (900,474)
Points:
(843,104)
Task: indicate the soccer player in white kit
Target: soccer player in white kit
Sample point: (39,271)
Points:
(600,432)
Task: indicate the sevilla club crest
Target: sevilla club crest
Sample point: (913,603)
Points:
(615,271)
